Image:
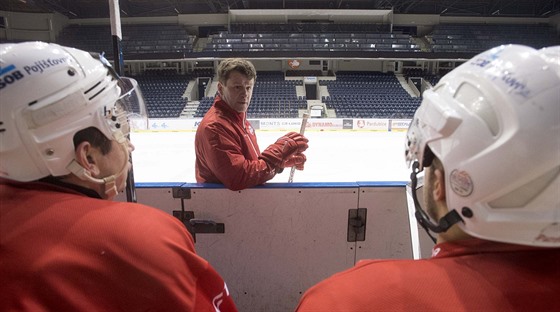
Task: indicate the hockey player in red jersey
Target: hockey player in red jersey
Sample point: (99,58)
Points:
(488,138)
(64,154)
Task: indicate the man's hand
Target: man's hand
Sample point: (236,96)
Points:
(290,144)
(296,160)
(293,143)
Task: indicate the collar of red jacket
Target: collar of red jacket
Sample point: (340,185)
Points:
(51,184)
(227,110)
(475,245)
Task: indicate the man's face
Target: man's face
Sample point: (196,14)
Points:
(428,191)
(237,91)
(117,162)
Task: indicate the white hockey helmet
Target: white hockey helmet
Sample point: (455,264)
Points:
(494,122)
(47,94)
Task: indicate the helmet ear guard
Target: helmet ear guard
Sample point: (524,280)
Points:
(422,217)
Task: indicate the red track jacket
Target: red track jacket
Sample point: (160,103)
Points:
(61,250)
(469,275)
(227,151)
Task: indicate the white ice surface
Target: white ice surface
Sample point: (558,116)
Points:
(332,156)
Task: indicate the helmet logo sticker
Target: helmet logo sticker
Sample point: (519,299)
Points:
(41,65)
(11,74)
(461,183)
(549,234)
(490,62)
(516,85)
(7,69)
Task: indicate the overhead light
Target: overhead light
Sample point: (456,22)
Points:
(497,12)
(177,11)
(73,13)
(545,13)
(443,11)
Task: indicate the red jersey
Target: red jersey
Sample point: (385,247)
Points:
(64,251)
(227,151)
(468,275)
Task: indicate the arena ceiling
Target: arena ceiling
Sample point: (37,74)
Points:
(146,8)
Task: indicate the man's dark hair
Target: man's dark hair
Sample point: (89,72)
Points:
(95,137)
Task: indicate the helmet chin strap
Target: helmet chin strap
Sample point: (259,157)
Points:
(109,183)
(422,217)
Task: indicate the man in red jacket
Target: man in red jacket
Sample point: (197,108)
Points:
(64,154)
(488,136)
(226,146)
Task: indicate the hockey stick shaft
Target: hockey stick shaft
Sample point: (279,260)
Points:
(301,131)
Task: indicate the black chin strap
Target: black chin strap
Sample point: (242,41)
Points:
(422,217)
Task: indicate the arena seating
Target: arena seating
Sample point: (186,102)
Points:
(369,95)
(275,97)
(204,105)
(352,94)
(418,72)
(255,42)
(476,38)
(139,41)
(163,91)
(295,27)
(252,37)
(160,41)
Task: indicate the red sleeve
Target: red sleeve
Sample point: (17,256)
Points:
(70,252)
(223,155)
(154,255)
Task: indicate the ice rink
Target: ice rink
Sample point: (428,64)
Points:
(332,156)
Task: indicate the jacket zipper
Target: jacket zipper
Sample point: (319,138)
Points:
(249,137)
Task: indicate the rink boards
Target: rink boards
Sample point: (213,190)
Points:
(271,243)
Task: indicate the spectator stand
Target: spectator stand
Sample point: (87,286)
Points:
(163,90)
(369,95)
